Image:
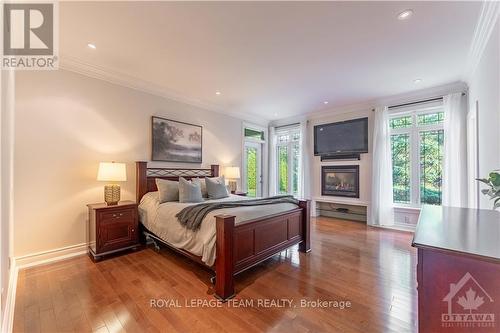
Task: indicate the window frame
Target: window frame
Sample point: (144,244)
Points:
(414,132)
(244,180)
(254,128)
(290,143)
(261,188)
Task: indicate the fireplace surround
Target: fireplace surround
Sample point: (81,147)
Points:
(340,180)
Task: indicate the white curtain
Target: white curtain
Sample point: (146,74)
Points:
(382,211)
(304,183)
(272,162)
(455,151)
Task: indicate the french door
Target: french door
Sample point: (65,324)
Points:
(252,169)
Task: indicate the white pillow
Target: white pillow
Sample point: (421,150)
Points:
(189,191)
(203,186)
(168,190)
(216,187)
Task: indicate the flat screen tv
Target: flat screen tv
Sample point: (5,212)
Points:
(346,137)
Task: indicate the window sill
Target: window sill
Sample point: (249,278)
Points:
(410,209)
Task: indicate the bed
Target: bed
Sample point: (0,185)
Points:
(230,240)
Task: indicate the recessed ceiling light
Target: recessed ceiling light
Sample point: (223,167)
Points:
(417,81)
(217,92)
(325,102)
(275,114)
(406,14)
(92,46)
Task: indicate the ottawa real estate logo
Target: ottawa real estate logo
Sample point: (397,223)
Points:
(30,38)
(469,305)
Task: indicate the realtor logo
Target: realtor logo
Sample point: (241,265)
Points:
(29,35)
(469,305)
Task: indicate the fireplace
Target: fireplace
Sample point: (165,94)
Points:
(340,180)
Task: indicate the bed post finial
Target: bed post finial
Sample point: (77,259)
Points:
(141,180)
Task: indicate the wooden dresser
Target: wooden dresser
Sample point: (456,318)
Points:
(458,270)
(112,228)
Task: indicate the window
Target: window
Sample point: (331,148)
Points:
(288,160)
(254,134)
(253,142)
(431,162)
(251,169)
(417,139)
(400,147)
(283,169)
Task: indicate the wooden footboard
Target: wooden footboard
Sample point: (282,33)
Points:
(242,246)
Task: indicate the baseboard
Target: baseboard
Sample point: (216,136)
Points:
(45,257)
(10,301)
(30,260)
(393,228)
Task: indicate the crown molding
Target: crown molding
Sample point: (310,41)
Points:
(106,74)
(79,66)
(487,20)
(389,100)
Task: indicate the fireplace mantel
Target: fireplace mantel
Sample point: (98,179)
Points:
(341,200)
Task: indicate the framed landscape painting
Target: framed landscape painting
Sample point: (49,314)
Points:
(175,141)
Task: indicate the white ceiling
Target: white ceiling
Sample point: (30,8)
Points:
(273,60)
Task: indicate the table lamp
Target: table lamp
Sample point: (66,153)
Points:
(232,174)
(112,172)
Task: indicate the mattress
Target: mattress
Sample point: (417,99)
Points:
(160,219)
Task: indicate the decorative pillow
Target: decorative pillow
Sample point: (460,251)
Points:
(203,185)
(216,187)
(189,191)
(168,190)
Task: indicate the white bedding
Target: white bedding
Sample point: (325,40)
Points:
(160,219)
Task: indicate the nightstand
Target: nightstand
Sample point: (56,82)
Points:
(241,194)
(112,228)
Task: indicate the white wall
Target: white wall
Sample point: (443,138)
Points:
(66,123)
(484,88)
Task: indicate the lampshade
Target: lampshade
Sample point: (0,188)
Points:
(111,171)
(232,172)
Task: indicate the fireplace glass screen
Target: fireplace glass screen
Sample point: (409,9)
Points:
(340,180)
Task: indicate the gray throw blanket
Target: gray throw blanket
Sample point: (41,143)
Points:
(192,216)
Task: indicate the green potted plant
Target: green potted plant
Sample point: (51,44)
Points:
(493,191)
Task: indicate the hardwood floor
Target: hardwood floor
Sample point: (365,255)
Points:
(372,268)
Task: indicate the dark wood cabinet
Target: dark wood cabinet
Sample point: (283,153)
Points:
(458,270)
(112,228)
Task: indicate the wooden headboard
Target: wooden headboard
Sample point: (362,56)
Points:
(145,177)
